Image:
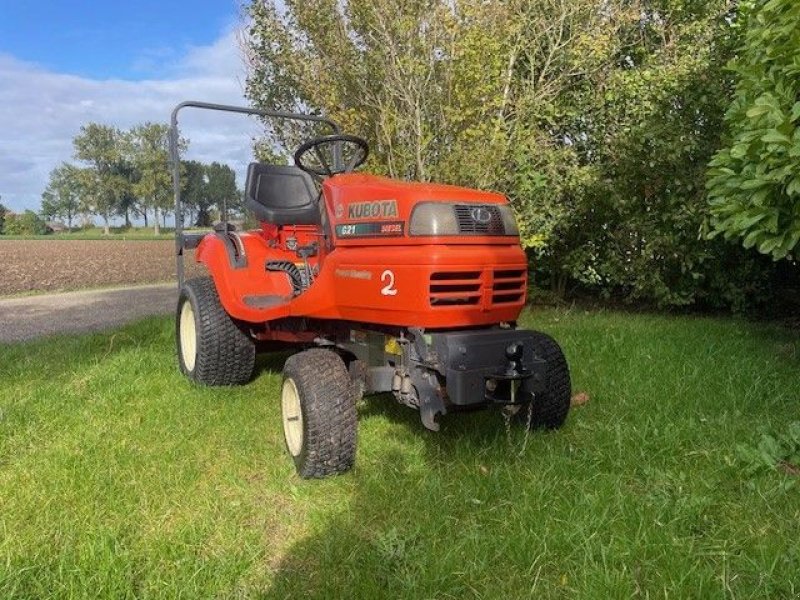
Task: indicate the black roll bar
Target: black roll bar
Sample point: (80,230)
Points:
(175,158)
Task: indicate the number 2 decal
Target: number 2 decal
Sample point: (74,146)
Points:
(387,277)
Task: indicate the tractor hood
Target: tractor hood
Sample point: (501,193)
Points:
(372,210)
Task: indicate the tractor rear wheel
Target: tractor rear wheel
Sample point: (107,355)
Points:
(212,348)
(549,408)
(319,413)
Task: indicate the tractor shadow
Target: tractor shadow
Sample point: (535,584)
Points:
(477,428)
(408,483)
(270,362)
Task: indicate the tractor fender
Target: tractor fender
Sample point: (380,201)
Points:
(235,262)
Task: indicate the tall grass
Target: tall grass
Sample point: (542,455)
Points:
(118,479)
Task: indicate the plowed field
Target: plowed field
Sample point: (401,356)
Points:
(53,265)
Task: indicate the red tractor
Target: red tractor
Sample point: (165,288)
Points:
(381,285)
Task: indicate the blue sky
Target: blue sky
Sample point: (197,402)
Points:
(64,64)
(110,39)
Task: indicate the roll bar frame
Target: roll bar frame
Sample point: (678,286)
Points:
(180,238)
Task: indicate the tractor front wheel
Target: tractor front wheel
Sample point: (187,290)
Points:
(212,348)
(549,408)
(319,413)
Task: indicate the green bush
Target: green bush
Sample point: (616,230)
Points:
(620,208)
(27,223)
(754,186)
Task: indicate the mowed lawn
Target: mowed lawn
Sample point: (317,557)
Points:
(118,479)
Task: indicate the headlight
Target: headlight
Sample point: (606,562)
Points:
(433,218)
(445,218)
(509,220)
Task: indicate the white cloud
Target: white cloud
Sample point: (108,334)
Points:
(41,111)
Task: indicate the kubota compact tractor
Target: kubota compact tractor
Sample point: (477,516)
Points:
(381,285)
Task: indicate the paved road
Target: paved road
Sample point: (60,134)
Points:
(31,317)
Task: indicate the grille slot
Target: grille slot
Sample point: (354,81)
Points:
(455,288)
(468,224)
(451,275)
(509,286)
(466,288)
(450,287)
(509,274)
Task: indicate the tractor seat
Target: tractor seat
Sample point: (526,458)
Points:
(282,195)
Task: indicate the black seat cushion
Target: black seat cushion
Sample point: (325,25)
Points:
(282,195)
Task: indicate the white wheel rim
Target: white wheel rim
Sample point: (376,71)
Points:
(292,417)
(188,337)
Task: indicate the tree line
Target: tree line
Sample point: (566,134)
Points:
(597,118)
(128,174)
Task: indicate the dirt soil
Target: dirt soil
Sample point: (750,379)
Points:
(28,266)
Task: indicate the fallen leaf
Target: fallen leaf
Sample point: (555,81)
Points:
(579,399)
(789,468)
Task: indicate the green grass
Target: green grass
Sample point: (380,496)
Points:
(118,479)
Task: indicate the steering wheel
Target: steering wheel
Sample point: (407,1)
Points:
(334,146)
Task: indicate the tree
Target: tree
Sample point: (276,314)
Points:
(48,208)
(221,187)
(128,203)
(148,152)
(3,213)
(384,69)
(209,186)
(101,147)
(754,185)
(195,193)
(61,198)
(444,90)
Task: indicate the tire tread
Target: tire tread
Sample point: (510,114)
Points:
(225,353)
(329,412)
(550,408)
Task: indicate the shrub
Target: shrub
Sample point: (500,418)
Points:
(27,223)
(754,188)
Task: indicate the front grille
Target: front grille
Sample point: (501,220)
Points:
(488,221)
(455,288)
(508,286)
(466,288)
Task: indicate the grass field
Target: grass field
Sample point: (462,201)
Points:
(118,479)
